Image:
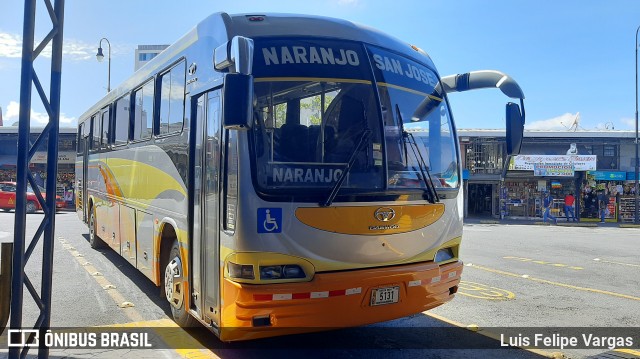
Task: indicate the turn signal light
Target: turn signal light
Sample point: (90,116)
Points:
(240,271)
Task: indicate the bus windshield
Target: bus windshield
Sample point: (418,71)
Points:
(319,104)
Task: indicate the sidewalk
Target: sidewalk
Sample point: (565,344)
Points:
(538,221)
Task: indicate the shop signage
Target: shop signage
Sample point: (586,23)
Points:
(63,157)
(560,169)
(608,175)
(575,162)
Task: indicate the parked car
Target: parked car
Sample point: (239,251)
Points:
(8,198)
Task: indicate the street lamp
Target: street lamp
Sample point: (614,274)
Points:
(635,213)
(100,57)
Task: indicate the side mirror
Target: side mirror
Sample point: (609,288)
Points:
(237,101)
(515,128)
(236,54)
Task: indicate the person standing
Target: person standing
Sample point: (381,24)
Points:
(569,200)
(603,203)
(547,203)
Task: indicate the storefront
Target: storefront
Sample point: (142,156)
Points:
(531,176)
(615,187)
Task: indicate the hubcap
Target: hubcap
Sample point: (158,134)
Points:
(91,228)
(173,282)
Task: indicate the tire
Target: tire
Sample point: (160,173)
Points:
(94,241)
(173,287)
(31,207)
(6,209)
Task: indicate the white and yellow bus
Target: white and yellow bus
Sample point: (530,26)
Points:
(283,173)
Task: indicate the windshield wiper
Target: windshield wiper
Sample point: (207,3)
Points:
(334,191)
(425,175)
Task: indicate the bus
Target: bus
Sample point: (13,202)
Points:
(275,174)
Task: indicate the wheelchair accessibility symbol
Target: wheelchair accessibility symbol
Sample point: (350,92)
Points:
(269,220)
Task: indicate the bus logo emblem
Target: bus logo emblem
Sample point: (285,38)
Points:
(384,214)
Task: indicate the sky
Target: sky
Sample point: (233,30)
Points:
(574,59)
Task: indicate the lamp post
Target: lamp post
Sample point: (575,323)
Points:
(635,213)
(100,57)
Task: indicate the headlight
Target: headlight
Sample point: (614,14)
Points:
(287,271)
(443,255)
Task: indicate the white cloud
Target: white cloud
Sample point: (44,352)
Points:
(562,122)
(348,2)
(37,118)
(629,123)
(11,47)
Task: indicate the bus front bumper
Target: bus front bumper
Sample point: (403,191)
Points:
(336,299)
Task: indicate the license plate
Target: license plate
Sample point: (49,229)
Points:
(387,295)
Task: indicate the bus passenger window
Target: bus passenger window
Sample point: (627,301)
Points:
(143,115)
(172,99)
(122,121)
(105,128)
(95,143)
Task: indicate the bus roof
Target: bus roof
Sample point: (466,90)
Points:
(221,27)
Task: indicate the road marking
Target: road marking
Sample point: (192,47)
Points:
(126,306)
(619,263)
(176,339)
(628,351)
(477,329)
(585,289)
(523,259)
(482,291)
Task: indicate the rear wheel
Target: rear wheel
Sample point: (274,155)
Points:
(174,287)
(94,240)
(6,209)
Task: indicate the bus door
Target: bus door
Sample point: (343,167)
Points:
(84,141)
(206,208)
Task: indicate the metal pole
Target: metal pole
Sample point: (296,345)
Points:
(109,63)
(52,172)
(21,169)
(635,217)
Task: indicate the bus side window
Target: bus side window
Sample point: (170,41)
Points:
(171,96)
(143,112)
(106,133)
(121,120)
(95,130)
(80,140)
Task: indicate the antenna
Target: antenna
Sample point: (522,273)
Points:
(576,123)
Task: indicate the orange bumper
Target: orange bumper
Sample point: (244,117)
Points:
(333,300)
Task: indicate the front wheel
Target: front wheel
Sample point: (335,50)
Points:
(174,287)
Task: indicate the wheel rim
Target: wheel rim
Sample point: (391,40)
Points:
(173,282)
(92,229)
(31,207)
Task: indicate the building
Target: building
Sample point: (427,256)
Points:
(144,53)
(517,192)
(489,190)
(38,164)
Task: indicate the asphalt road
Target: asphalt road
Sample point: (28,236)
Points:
(518,279)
